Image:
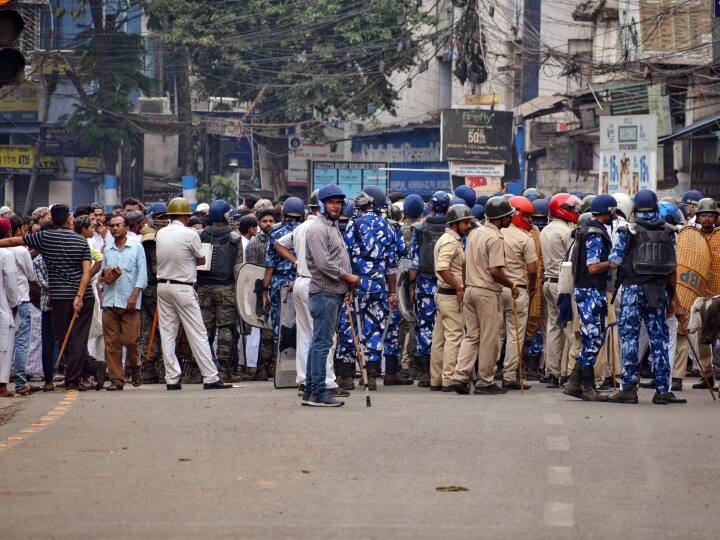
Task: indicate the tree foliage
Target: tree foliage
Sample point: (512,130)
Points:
(220,187)
(316,58)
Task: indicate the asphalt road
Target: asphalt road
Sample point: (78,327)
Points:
(252,463)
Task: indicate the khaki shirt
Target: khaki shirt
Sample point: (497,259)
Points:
(449,255)
(555,241)
(484,251)
(519,252)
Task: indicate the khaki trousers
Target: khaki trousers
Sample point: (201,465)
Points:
(683,351)
(179,304)
(482,313)
(446,339)
(556,338)
(121,327)
(508,329)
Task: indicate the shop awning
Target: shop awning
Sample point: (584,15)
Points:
(539,106)
(712,123)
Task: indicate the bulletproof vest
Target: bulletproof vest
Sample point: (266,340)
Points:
(148,244)
(583,278)
(650,256)
(225,244)
(428,233)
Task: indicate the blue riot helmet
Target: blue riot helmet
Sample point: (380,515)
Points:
(457,200)
(294,207)
(541,210)
(479,212)
(440,202)
(603,204)
(378,196)
(692,196)
(157,209)
(467,194)
(482,199)
(645,200)
(330,191)
(217,211)
(578,193)
(413,206)
(668,213)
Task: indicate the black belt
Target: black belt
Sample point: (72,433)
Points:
(173,282)
(521,286)
(446,290)
(551,280)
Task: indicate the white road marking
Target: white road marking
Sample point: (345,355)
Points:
(559,443)
(559,514)
(553,419)
(559,476)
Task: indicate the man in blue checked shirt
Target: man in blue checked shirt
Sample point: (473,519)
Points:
(124,273)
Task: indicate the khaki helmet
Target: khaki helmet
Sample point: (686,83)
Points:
(458,212)
(179,207)
(498,207)
(313,202)
(586,202)
(707,206)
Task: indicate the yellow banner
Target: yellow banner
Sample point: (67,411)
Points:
(23,97)
(88,164)
(482,99)
(23,157)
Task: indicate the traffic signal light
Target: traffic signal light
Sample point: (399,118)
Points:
(12,62)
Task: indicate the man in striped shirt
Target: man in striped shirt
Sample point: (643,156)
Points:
(67,257)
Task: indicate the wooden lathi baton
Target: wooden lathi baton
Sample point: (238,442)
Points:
(151,339)
(65,341)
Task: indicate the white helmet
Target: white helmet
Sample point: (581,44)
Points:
(624,204)
(203,207)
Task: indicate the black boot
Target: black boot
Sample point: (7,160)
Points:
(531,368)
(573,387)
(702,385)
(589,393)
(392,373)
(608,384)
(373,371)
(624,396)
(226,371)
(552,381)
(346,372)
(676,385)
(149,373)
(423,363)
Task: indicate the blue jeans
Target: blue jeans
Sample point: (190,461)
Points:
(324,309)
(22,345)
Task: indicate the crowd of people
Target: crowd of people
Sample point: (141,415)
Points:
(460,293)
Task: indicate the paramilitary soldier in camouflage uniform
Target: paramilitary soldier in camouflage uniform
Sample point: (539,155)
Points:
(153,369)
(423,280)
(373,254)
(216,288)
(647,257)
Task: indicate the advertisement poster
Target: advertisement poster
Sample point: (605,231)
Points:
(351,176)
(628,153)
(300,152)
(476,135)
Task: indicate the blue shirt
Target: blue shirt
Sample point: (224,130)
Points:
(131,260)
(273,259)
(593,249)
(372,246)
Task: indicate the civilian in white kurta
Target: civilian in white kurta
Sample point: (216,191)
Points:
(8,302)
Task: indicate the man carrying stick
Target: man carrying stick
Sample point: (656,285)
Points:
(67,256)
(329,265)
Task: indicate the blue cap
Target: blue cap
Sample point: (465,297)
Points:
(467,194)
(217,211)
(457,200)
(479,211)
(692,196)
(413,206)
(482,199)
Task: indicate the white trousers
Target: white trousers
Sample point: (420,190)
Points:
(179,304)
(6,356)
(253,348)
(304,331)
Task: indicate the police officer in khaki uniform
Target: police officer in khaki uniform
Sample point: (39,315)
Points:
(484,276)
(179,253)
(449,323)
(520,268)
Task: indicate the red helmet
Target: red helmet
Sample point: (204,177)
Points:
(524,208)
(565,206)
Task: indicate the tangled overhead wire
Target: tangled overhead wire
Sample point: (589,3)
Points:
(470,44)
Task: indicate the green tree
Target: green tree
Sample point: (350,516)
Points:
(313,58)
(109,69)
(220,187)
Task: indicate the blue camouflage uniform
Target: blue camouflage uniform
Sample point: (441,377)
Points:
(392,344)
(634,309)
(284,272)
(591,307)
(372,246)
(425,308)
